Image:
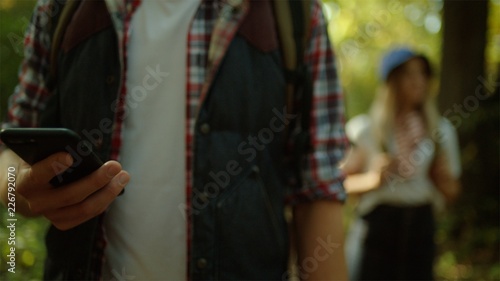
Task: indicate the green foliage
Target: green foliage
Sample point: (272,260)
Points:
(363,30)
(29,248)
(14,19)
(29,233)
(493,43)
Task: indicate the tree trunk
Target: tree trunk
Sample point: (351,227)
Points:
(470,100)
(464,41)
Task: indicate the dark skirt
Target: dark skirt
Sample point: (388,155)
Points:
(399,244)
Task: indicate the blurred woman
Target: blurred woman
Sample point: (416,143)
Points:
(403,165)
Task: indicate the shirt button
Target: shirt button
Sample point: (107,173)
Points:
(201,263)
(255,169)
(205,128)
(98,143)
(204,197)
(110,79)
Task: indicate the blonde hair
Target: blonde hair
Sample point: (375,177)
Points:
(383,111)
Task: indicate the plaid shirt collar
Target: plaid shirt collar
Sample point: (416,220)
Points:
(231,14)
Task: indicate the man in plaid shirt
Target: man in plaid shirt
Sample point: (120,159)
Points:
(208,189)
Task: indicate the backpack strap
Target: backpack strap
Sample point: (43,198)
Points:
(293,18)
(293,21)
(68,10)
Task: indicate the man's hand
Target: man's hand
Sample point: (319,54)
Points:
(70,205)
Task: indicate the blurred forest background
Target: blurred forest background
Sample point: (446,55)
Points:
(462,39)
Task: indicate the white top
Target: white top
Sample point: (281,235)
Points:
(145,229)
(418,188)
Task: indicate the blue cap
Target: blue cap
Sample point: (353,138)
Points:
(393,59)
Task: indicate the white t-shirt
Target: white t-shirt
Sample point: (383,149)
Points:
(417,189)
(145,229)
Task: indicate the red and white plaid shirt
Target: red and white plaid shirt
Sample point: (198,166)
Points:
(212,29)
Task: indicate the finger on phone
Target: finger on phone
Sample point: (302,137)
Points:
(71,216)
(76,192)
(43,171)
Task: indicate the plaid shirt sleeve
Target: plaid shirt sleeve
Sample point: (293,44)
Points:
(321,176)
(31,93)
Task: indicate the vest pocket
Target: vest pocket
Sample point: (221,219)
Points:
(249,231)
(273,217)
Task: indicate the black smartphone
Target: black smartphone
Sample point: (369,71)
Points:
(35,144)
